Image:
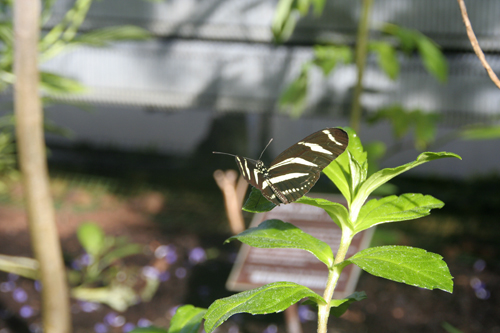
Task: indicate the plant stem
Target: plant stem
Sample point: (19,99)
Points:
(361,54)
(32,159)
(333,277)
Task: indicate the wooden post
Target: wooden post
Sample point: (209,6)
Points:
(234,193)
(32,159)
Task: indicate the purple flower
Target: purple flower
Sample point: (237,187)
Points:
(13,277)
(180,272)
(171,256)
(150,272)
(305,314)
(38,285)
(128,327)
(89,306)
(197,255)
(7,287)
(479,265)
(164,276)
(143,322)
(19,295)
(114,320)
(271,329)
(26,311)
(161,251)
(100,328)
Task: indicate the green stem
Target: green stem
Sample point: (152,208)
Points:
(333,277)
(361,54)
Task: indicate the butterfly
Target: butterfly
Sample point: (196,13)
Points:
(295,171)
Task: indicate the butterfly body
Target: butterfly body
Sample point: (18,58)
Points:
(295,171)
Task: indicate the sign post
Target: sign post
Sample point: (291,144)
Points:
(255,267)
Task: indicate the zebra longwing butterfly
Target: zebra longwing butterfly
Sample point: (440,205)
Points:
(295,171)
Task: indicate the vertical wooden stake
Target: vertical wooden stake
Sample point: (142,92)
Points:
(234,193)
(32,158)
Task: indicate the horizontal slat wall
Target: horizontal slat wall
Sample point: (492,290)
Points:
(250,20)
(236,77)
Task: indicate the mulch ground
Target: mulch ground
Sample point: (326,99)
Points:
(187,220)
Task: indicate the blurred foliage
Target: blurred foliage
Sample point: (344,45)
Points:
(294,98)
(288,13)
(61,38)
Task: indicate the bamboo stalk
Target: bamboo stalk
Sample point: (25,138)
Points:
(32,159)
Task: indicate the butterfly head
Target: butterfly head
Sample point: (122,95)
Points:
(262,168)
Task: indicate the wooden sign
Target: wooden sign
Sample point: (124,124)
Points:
(255,267)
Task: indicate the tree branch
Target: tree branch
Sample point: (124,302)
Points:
(32,159)
(475,44)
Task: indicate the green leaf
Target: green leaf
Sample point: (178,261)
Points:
(375,151)
(425,128)
(383,176)
(319,5)
(92,238)
(257,203)
(283,21)
(120,252)
(406,264)
(397,116)
(340,306)
(327,56)
(450,328)
(104,36)
(408,206)
(407,38)
(151,329)
(23,266)
(339,170)
(433,59)
(187,319)
(119,297)
(56,84)
(279,234)
(336,211)
(295,95)
(480,133)
(387,58)
(273,297)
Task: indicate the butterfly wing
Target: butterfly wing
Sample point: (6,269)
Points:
(295,171)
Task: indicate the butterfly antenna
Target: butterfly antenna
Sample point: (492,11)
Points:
(265,148)
(218,152)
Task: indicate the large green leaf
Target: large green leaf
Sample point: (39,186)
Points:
(257,203)
(384,175)
(336,211)
(279,234)
(408,206)
(187,319)
(92,238)
(23,266)
(405,264)
(273,297)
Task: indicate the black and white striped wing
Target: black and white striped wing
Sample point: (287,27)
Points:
(250,172)
(295,171)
